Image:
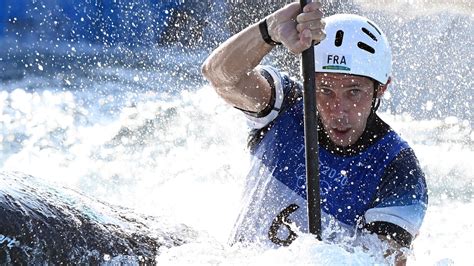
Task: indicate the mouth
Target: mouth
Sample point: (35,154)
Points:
(340,132)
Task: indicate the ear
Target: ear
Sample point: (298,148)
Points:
(383,88)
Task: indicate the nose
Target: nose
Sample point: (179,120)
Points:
(339,106)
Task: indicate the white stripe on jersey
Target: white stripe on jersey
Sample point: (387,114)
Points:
(260,122)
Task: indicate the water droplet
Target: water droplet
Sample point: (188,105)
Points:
(429,105)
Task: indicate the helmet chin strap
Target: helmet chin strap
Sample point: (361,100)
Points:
(375,100)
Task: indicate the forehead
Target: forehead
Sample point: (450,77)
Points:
(342,79)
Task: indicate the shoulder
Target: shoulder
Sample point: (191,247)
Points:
(403,181)
(401,200)
(405,176)
(286,92)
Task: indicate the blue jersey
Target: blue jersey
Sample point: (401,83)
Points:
(376,183)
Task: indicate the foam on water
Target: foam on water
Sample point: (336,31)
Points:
(184,157)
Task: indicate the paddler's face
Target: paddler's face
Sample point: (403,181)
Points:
(344,103)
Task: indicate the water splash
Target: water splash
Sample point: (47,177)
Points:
(141,129)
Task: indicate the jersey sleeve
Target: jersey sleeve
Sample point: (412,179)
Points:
(400,202)
(284,92)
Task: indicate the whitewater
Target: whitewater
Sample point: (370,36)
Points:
(151,135)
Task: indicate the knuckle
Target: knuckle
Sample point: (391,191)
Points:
(323,23)
(300,18)
(293,50)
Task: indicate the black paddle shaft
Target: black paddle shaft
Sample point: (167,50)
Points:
(311,140)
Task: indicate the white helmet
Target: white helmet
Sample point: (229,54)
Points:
(354,45)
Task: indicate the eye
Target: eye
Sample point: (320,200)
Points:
(324,90)
(355,92)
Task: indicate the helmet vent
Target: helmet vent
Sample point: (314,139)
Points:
(339,38)
(366,31)
(366,47)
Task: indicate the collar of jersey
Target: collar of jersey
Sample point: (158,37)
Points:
(376,128)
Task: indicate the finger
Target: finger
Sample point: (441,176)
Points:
(290,11)
(304,17)
(318,35)
(311,25)
(313,6)
(306,38)
(299,43)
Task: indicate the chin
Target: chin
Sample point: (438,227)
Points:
(341,142)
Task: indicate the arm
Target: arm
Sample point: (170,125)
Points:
(396,250)
(231,67)
(400,206)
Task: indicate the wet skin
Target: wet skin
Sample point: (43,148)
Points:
(344,104)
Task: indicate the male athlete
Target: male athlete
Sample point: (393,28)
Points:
(370,179)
